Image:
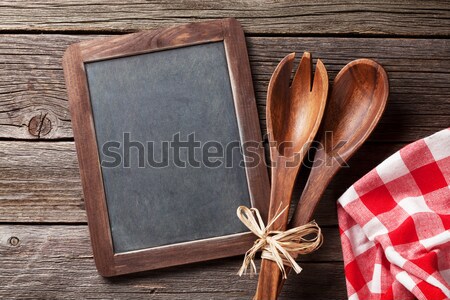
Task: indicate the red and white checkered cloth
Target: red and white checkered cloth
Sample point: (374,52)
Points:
(395,225)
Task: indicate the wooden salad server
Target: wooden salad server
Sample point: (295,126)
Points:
(358,98)
(294,114)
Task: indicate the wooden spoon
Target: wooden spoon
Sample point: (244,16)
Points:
(357,101)
(293,117)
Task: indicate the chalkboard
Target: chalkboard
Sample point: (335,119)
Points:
(162,94)
(161,119)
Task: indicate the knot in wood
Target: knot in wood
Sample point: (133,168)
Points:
(40,125)
(13,241)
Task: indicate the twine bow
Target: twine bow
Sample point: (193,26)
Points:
(278,246)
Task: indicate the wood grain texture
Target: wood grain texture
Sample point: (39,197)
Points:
(32,84)
(407,17)
(40,182)
(150,40)
(55,262)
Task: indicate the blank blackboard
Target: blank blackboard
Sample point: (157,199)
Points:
(135,96)
(153,97)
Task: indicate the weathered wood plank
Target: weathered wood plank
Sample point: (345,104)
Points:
(419,102)
(39,181)
(33,102)
(55,262)
(268,17)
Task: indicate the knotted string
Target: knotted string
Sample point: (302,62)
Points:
(278,246)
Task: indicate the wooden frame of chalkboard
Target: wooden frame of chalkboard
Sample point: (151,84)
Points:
(227,31)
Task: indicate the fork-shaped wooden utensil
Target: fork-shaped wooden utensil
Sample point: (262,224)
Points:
(294,114)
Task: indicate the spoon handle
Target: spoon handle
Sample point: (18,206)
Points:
(283,179)
(323,170)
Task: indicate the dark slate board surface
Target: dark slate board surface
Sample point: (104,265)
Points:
(152,97)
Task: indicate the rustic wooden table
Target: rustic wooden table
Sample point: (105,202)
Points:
(44,243)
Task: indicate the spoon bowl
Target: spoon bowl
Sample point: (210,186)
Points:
(357,102)
(293,113)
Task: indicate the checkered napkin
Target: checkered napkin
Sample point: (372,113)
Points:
(395,225)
